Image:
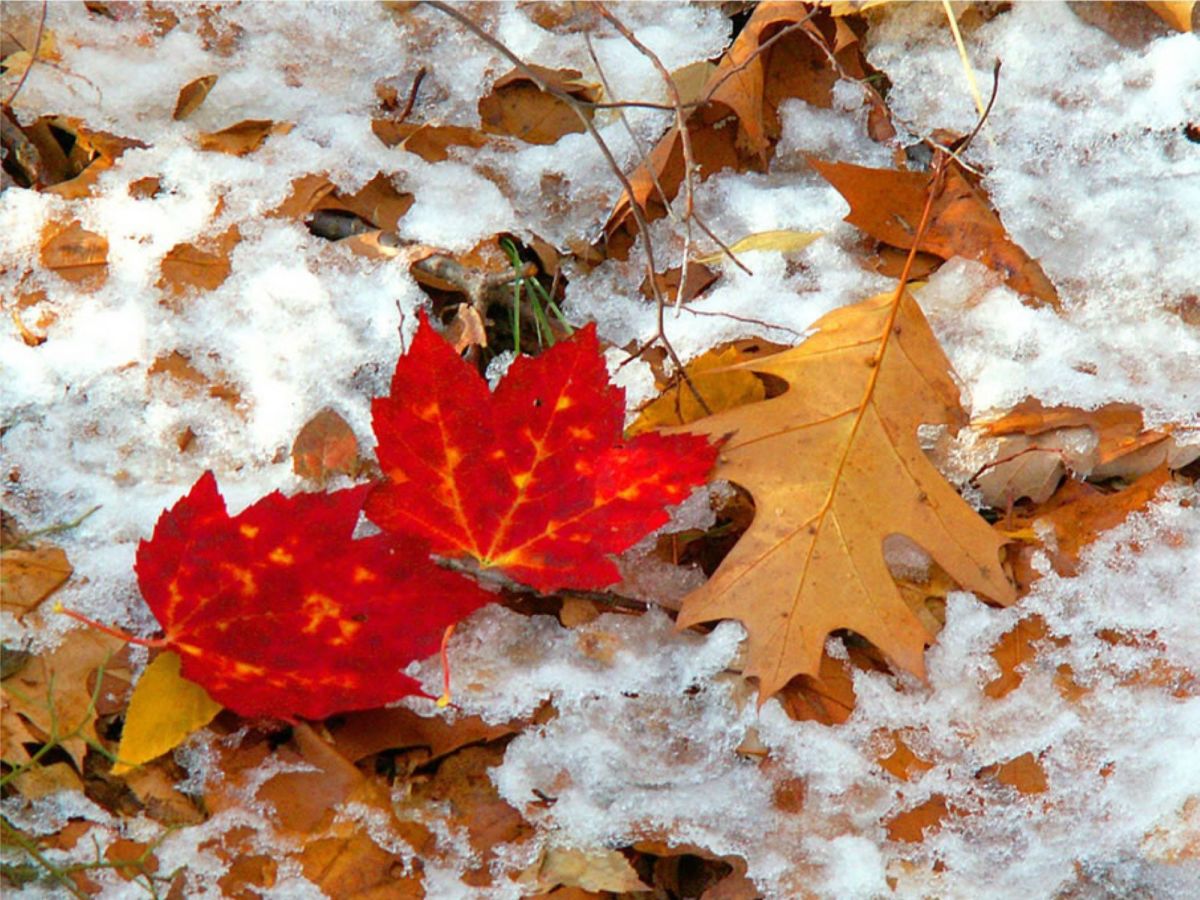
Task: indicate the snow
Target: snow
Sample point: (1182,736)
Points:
(1086,160)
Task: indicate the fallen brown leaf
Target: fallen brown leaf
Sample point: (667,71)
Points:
(517,107)
(241,139)
(812,560)
(325,446)
(27,577)
(888,204)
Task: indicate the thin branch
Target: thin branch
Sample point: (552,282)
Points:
(586,120)
(33,55)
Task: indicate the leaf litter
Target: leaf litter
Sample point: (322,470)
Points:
(1097,715)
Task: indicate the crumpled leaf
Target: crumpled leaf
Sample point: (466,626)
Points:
(737,125)
(519,108)
(888,203)
(835,467)
(191,95)
(532,480)
(277,612)
(592,870)
(243,138)
(164,709)
(52,691)
(1124,447)
(428,140)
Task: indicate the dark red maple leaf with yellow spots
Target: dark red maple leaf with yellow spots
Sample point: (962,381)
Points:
(279,612)
(534,479)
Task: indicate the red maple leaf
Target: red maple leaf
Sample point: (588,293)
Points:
(533,479)
(278,612)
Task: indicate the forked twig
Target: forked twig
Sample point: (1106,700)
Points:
(580,112)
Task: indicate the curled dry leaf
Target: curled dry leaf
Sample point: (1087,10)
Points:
(243,138)
(737,124)
(835,467)
(429,141)
(1123,446)
(519,108)
(191,95)
(888,204)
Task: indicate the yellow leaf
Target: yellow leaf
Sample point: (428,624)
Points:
(165,709)
(850,7)
(779,241)
(720,387)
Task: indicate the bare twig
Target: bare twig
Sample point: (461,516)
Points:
(581,112)
(412,94)
(33,55)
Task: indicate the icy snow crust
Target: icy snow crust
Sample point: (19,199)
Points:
(1085,159)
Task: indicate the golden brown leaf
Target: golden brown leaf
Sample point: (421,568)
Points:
(430,142)
(722,387)
(27,577)
(888,204)
(77,255)
(834,467)
(243,138)
(1025,773)
(191,95)
(190,265)
(519,108)
(52,692)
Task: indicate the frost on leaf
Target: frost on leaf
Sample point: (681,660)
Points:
(277,612)
(534,479)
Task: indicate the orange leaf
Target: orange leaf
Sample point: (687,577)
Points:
(887,204)
(835,467)
(188,265)
(519,108)
(78,256)
(30,576)
(191,95)
(430,142)
(243,138)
